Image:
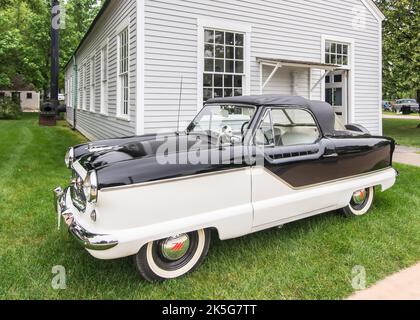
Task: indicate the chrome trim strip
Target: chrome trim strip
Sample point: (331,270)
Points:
(326,182)
(196,176)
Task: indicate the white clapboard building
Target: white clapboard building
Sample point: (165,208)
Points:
(124,78)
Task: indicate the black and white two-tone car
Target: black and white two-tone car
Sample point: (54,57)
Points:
(243,165)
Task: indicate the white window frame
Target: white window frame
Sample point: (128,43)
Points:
(92,84)
(125,25)
(104,78)
(350,68)
(229,26)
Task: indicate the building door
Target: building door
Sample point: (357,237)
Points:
(336,92)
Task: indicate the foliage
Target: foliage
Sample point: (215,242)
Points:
(9,109)
(25,40)
(401,48)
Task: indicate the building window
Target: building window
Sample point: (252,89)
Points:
(29,95)
(224,66)
(92,85)
(337,53)
(104,80)
(85,85)
(81,88)
(123,77)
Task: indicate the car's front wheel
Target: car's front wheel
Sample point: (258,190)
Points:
(360,203)
(173,257)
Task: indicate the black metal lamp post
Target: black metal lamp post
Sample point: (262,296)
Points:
(49,109)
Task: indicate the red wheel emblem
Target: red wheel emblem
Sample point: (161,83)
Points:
(178,246)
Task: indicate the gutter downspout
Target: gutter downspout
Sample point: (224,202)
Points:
(75,92)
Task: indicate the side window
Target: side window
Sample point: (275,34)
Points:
(264,135)
(294,127)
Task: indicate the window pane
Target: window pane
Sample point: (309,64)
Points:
(208,80)
(238,92)
(230,52)
(345,49)
(345,60)
(209,36)
(327,79)
(218,93)
(229,66)
(238,82)
(219,65)
(220,52)
(338,78)
(239,67)
(228,92)
(339,59)
(239,53)
(328,96)
(220,37)
(338,97)
(327,58)
(333,48)
(209,65)
(230,39)
(228,81)
(218,80)
(207,94)
(209,51)
(333,59)
(328,47)
(339,48)
(239,39)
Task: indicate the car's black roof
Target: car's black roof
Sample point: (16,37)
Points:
(322,110)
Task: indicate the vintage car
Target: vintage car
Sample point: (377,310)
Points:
(409,105)
(243,165)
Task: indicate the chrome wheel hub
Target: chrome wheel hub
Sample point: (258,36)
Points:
(175,248)
(359,197)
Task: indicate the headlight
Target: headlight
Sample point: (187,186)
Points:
(69,159)
(91,187)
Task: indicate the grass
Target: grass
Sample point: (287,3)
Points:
(404,131)
(310,259)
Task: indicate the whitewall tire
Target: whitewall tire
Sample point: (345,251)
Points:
(360,203)
(173,257)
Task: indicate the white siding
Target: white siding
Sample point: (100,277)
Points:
(280,28)
(93,124)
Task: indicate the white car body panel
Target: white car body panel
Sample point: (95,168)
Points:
(259,201)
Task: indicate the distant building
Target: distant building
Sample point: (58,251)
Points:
(29,100)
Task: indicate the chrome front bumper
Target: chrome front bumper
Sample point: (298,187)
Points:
(66,211)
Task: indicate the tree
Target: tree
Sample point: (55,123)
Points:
(25,42)
(401,48)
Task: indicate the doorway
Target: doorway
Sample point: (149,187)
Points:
(336,92)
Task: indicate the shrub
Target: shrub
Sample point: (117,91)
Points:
(9,109)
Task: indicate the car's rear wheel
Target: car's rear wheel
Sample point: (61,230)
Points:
(173,257)
(360,203)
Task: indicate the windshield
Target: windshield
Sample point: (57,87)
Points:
(227,121)
(406,101)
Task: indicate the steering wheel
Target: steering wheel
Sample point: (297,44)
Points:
(243,127)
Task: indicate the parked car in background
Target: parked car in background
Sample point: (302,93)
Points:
(410,105)
(386,105)
(125,200)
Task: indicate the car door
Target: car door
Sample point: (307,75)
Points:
(295,156)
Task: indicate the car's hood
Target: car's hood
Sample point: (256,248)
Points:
(102,154)
(153,158)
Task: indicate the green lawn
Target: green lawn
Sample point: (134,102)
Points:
(310,259)
(404,131)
